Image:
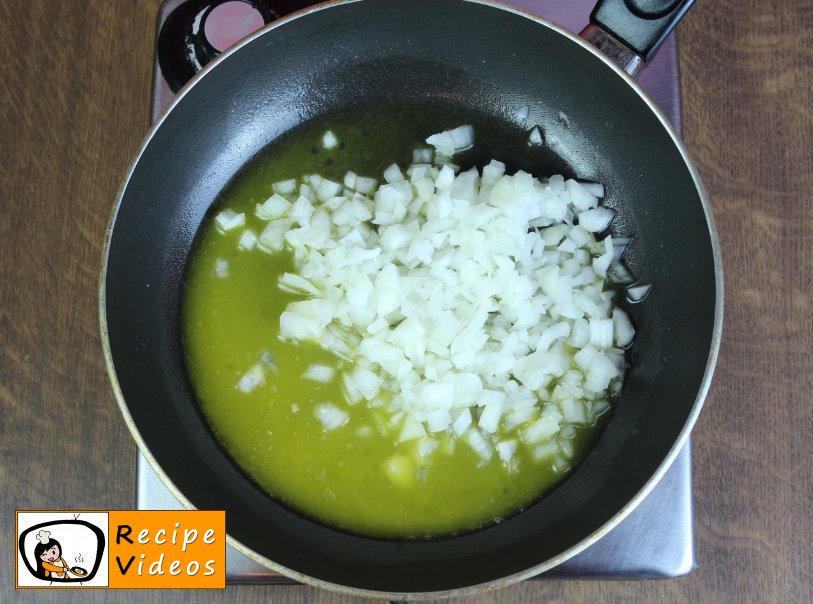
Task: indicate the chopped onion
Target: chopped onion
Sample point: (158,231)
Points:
(574,411)
(462,422)
(480,445)
(450,142)
(273,235)
(506,450)
(411,429)
(619,274)
(274,207)
(490,418)
(438,420)
(393,174)
(285,187)
(622,327)
(546,450)
(458,301)
(297,285)
(535,138)
(330,416)
(319,373)
(247,241)
(596,189)
(221,268)
(597,219)
(252,379)
(601,333)
(542,429)
(638,292)
(365,185)
(228,220)
(329,140)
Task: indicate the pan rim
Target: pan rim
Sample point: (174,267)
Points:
(521,575)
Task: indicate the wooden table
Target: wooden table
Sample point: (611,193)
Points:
(75,106)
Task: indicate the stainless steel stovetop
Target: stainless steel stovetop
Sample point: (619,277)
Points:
(657,539)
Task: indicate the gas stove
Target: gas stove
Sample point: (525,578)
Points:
(657,539)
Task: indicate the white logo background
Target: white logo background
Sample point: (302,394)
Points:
(79,546)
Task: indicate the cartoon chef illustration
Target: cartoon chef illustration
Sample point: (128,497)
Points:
(50,563)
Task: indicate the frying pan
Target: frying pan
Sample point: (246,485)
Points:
(479,59)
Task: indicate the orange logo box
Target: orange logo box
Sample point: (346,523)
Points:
(173,549)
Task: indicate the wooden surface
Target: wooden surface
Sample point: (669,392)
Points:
(74,107)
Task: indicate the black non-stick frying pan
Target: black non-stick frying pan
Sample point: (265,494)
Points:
(483,60)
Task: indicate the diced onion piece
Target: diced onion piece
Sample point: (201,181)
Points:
(462,423)
(600,372)
(595,189)
(535,138)
(247,241)
(393,174)
(601,332)
(547,450)
(294,326)
(365,184)
(273,235)
(622,327)
(228,220)
(490,418)
(329,140)
(285,187)
(252,379)
(596,220)
(451,141)
(330,416)
(573,412)
(296,284)
(480,445)
(506,450)
(274,207)
(350,180)
(319,373)
(327,189)
(619,274)
(551,334)
(542,429)
(620,245)
(438,420)
(580,196)
(638,292)
(221,268)
(367,382)
(412,428)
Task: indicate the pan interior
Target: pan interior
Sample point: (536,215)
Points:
(228,320)
(477,60)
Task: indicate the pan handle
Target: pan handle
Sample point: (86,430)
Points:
(630,32)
